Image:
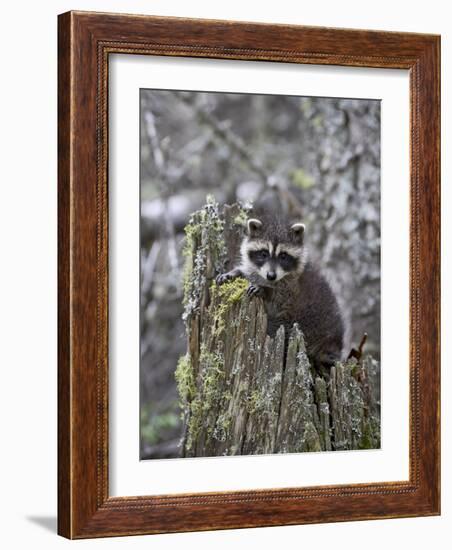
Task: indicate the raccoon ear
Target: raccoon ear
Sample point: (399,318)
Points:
(298,231)
(254,225)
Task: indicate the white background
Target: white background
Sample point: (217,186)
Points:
(28,271)
(128,476)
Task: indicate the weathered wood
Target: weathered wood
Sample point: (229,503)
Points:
(241,392)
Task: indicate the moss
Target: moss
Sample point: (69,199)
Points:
(204,247)
(185,379)
(241,218)
(222,427)
(354,367)
(193,232)
(194,422)
(203,237)
(212,368)
(255,402)
(224,297)
(230,292)
(212,373)
(192,237)
(205,251)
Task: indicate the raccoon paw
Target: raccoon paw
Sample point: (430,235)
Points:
(223,278)
(254,290)
(229,276)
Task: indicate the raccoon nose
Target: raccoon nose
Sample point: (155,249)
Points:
(271,275)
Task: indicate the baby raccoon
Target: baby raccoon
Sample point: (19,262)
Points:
(274,260)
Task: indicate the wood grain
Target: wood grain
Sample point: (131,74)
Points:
(85,42)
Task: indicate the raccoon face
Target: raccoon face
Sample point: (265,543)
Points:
(273,254)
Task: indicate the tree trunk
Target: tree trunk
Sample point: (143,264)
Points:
(240,393)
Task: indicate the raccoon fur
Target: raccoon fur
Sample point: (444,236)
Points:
(273,258)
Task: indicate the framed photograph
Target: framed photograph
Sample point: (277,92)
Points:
(248,275)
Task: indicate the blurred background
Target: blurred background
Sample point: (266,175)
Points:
(317,159)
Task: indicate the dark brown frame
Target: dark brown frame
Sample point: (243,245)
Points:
(85,41)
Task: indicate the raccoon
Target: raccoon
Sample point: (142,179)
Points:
(273,257)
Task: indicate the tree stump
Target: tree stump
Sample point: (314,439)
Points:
(240,393)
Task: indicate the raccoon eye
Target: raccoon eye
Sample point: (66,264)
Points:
(287,261)
(263,254)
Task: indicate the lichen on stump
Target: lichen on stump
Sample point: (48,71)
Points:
(240,393)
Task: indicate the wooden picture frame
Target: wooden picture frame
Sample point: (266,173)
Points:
(85,42)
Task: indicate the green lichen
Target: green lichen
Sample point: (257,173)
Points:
(230,292)
(210,394)
(193,231)
(212,373)
(241,218)
(185,379)
(222,427)
(204,251)
(224,297)
(354,367)
(255,402)
(265,399)
(194,423)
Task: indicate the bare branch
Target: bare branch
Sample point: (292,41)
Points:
(160,164)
